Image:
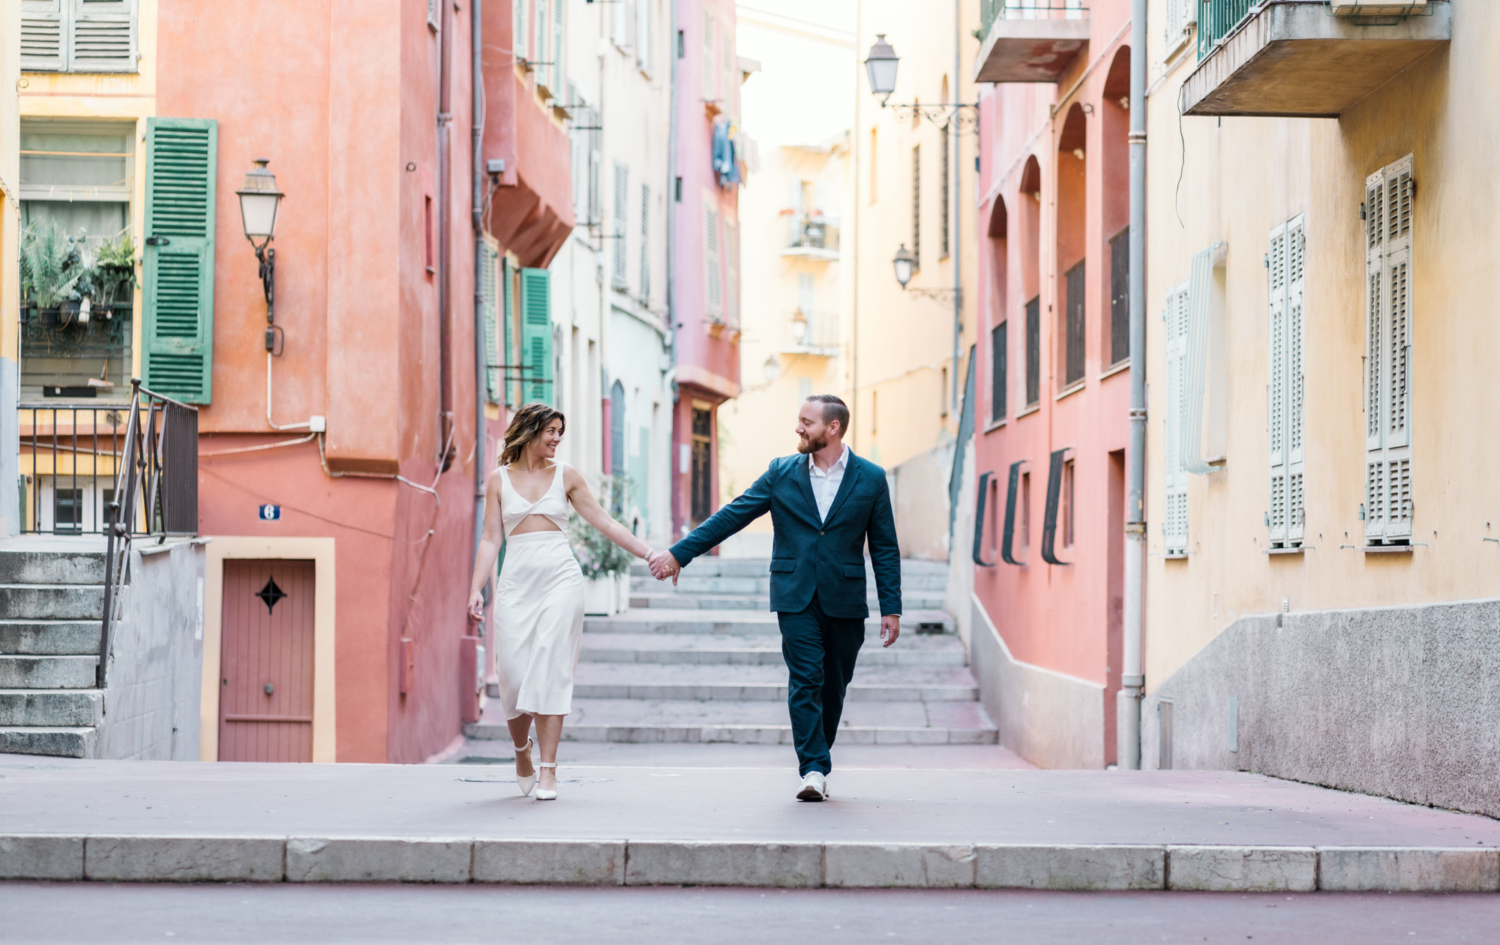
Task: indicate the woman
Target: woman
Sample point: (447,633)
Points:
(539,596)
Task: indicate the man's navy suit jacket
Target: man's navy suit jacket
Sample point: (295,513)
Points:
(809,555)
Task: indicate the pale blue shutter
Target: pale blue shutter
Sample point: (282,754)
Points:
(489,282)
(1175,518)
(1388,480)
(43,35)
(102,36)
(508,315)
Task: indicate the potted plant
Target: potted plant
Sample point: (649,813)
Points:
(52,268)
(605,565)
(114,274)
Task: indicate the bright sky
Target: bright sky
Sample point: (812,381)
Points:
(804,93)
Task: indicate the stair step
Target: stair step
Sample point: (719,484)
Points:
(56,707)
(51,567)
(713,651)
(61,742)
(715,566)
(52,601)
(49,637)
(742,621)
(48,672)
(769,692)
(655,599)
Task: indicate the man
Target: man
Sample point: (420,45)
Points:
(824,503)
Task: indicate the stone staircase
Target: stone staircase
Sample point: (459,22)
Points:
(702,662)
(51,610)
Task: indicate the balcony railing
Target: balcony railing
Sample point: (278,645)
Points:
(812,231)
(815,332)
(992,10)
(1218,18)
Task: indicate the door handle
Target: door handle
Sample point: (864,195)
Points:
(158,241)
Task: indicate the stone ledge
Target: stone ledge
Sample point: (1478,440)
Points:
(759,864)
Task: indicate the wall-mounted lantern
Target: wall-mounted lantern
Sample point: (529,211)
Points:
(904,264)
(259,199)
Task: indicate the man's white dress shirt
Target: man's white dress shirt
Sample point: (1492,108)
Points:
(825,485)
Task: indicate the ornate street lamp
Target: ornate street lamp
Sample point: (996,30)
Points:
(880,67)
(259,199)
(904,263)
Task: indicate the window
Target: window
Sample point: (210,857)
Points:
(1389,194)
(643,35)
(79,36)
(943,194)
(1175,523)
(1034,352)
(710,66)
(539,51)
(702,474)
(556,82)
(67,510)
(713,281)
(732,265)
(916,207)
(1026,511)
(997,372)
(805,309)
(622,181)
(76,181)
(730,65)
(1073,308)
(489,282)
(645,287)
(618,23)
(1069,513)
(1119,297)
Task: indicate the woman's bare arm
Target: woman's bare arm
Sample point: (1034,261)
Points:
(489,546)
(592,512)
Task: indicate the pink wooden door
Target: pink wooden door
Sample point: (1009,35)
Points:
(266,672)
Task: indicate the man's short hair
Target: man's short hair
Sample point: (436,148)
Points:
(834,408)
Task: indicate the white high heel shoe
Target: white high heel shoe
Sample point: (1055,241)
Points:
(542,794)
(528,782)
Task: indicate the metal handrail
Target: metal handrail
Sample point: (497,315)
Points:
(992,10)
(160,453)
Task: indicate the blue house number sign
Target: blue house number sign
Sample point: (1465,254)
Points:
(270,513)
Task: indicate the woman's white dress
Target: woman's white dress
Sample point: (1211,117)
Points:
(538,605)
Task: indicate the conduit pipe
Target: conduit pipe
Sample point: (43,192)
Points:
(476,210)
(1132,677)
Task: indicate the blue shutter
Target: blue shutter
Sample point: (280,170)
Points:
(536,336)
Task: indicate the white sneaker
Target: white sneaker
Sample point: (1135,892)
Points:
(814,787)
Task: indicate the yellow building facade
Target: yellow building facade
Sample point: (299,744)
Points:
(1323,532)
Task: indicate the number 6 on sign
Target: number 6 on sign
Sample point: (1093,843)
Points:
(270,513)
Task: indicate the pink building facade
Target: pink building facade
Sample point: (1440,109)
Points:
(704,297)
(356,444)
(1051,427)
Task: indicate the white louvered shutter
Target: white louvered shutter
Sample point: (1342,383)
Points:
(102,37)
(1175,523)
(643,35)
(558,10)
(645,285)
(43,35)
(1195,355)
(490,285)
(519,27)
(710,46)
(713,277)
(1284,400)
(622,180)
(1388,479)
(732,266)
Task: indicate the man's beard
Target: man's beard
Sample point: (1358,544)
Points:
(809,445)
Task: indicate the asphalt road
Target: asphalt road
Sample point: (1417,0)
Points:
(129,913)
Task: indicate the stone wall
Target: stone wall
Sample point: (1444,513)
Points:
(1397,701)
(919,497)
(156,657)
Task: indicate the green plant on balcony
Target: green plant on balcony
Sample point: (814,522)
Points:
(114,270)
(598,556)
(52,266)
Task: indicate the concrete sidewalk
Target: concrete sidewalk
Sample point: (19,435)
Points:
(652,825)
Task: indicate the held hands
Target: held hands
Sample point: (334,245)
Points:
(663,566)
(890,629)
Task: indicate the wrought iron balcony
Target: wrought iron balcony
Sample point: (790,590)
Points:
(1306,58)
(1029,40)
(812,235)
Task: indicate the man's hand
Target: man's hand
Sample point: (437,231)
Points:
(663,566)
(890,629)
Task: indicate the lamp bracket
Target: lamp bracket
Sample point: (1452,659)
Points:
(962,115)
(949,294)
(267,258)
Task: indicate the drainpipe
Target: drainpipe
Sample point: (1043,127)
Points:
(445,192)
(1132,678)
(476,210)
(953,141)
(674,478)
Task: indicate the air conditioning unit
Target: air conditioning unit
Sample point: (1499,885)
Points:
(1378,7)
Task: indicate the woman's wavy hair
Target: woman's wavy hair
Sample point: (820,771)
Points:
(527,425)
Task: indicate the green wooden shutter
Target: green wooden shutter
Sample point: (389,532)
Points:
(536,335)
(508,315)
(178,330)
(488,282)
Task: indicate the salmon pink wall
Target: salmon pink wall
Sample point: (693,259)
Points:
(342,96)
(1064,618)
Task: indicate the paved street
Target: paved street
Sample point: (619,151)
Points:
(128,913)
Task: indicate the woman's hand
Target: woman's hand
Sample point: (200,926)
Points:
(476,606)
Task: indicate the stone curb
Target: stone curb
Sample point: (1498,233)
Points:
(620,862)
